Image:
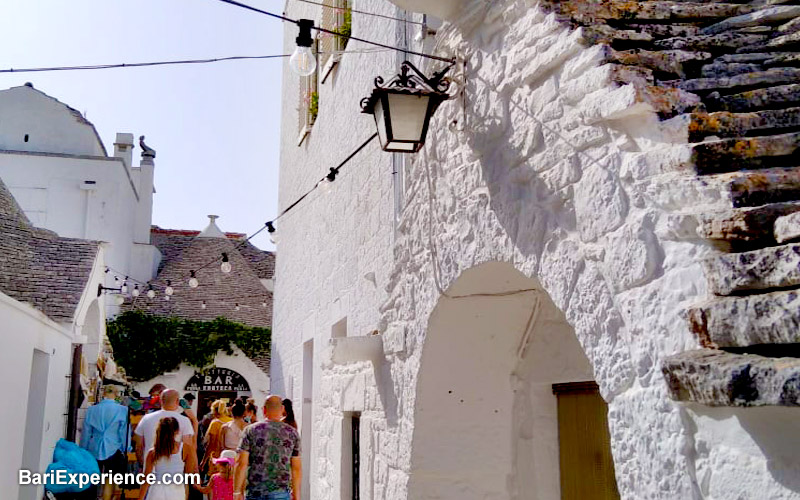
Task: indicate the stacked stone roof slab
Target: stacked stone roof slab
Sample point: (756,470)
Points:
(182,252)
(730,70)
(39,267)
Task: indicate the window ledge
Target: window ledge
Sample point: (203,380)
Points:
(303,134)
(354,349)
(333,60)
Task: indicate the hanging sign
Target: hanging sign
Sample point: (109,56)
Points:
(217,379)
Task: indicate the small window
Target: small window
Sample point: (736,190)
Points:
(337,16)
(26,137)
(308,108)
(351,456)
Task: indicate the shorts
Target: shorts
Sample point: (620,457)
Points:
(117,462)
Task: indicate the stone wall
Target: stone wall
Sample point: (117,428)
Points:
(576,169)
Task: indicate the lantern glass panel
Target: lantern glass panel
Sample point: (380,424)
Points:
(407,113)
(380,121)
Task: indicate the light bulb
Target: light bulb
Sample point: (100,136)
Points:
(124,288)
(303,61)
(169,290)
(166,297)
(263,304)
(237,307)
(135,291)
(150,292)
(203,305)
(326,186)
(119,299)
(226,265)
(273,237)
(193,281)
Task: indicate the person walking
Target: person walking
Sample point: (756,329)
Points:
(145,432)
(288,413)
(105,436)
(232,431)
(268,458)
(220,486)
(168,457)
(212,442)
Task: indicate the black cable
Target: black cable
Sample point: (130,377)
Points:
(269,223)
(138,65)
(374,14)
(330,32)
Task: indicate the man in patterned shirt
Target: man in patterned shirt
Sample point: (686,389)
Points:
(270,454)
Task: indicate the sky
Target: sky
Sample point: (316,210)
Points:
(215,127)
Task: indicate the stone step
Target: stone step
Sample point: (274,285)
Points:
(658,10)
(767,318)
(727,124)
(728,155)
(744,227)
(730,40)
(737,83)
(718,378)
(770,97)
(787,228)
(762,187)
(774,14)
(762,269)
(663,61)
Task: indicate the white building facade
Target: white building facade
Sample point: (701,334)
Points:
(587,210)
(49,309)
(59,171)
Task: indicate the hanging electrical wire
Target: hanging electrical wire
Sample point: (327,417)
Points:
(366,13)
(173,63)
(224,258)
(331,32)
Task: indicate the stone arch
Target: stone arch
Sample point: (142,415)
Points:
(92,329)
(485,413)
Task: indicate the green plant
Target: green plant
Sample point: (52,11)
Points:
(147,346)
(313,105)
(345,28)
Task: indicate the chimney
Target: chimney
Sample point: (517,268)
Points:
(145,188)
(123,148)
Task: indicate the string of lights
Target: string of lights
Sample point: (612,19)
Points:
(147,286)
(366,13)
(173,63)
(331,32)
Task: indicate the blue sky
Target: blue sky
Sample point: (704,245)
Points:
(215,127)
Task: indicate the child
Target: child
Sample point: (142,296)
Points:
(220,486)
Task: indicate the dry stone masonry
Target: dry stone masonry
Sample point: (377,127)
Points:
(634,164)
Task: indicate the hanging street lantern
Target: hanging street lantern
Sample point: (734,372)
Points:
(403,107)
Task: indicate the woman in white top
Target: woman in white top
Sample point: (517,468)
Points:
(168,456)
(232,431)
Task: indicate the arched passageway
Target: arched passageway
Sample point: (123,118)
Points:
(505,398)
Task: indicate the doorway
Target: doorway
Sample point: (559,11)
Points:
(205,398)
(495,346)
(34,421)
(586,465)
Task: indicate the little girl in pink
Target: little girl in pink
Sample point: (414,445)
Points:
(220,486)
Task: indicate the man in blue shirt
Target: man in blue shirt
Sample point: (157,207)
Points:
(105,435)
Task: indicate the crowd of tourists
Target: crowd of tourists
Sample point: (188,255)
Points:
(238,456)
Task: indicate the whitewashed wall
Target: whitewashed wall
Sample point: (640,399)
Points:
(46,176)
(549,167)
(238,362)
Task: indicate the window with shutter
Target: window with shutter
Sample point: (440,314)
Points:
(308,102)
(336,16)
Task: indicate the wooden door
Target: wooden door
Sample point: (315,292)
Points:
(587,469)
